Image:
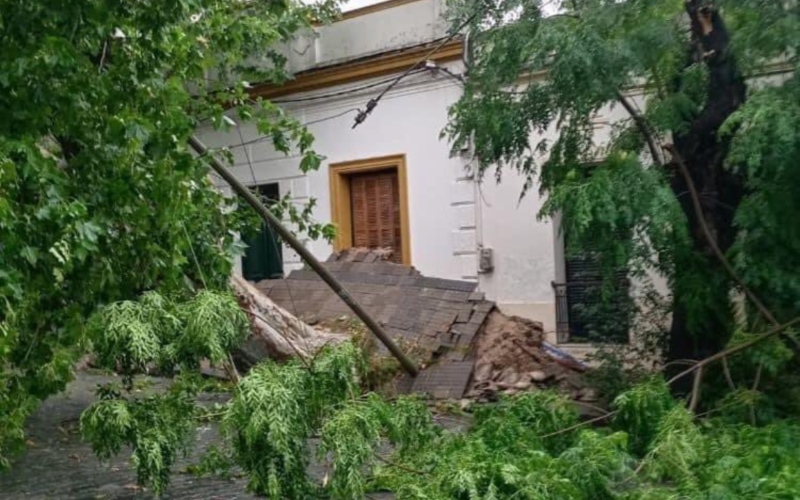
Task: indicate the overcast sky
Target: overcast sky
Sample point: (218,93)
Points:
(357,4)
(549,7)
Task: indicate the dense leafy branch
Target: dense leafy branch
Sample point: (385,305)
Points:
(537,82)
(100,198)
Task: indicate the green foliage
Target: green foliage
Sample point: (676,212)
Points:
(100,197)
(214,325)
(524,447)
(741,461)
(134,336)
(595,463)
(507,453)
(526,418)
(277,408)
(337,374)
(639,409)
(409,425)
(270,421)
(676,449)
(765,135)
(215,461)
(351,435)
(155,331)
(123,334)
(683,459)
(156,428)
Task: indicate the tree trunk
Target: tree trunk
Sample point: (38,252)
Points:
(702,323)
(275,333)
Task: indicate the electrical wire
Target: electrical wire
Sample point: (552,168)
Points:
(346,112)
(247,154)
(372,103)
(351,90)
(457,77)
(244,143)
(273,238)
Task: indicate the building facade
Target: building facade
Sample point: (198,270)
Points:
(392,181)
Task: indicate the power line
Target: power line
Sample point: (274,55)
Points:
(341,92)
(350,90)
(312,122)
(372,103)
(243,143)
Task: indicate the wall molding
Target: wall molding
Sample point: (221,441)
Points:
(359,69)
(371,9)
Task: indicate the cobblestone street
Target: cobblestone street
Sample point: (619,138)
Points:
(58,466)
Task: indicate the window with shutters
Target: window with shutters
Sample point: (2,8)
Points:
(369,205)
(263,258)
(589,308)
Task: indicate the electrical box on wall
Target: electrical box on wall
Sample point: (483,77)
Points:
(485,260)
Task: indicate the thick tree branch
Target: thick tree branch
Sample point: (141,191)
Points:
(727,371)
(722,355)
(735,349)
(643,126)
(712,242)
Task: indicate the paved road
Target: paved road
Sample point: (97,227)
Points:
(59,466)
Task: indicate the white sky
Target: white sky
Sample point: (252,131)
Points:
(549,7)
(357,4)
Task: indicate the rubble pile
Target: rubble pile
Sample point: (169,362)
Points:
(466,346)
(511,356)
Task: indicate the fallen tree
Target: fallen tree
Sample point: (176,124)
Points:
(274,332)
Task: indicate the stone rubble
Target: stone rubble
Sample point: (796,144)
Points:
(511,356)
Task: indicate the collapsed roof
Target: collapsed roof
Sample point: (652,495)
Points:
(439,317)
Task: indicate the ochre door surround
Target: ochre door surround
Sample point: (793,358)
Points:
(341,198)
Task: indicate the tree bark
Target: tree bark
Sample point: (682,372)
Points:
(275,333)
(702,325)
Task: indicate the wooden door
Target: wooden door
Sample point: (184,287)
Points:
(375,205)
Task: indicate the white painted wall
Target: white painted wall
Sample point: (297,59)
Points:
(524,249)
(407,121)
(451,216)
(403,26)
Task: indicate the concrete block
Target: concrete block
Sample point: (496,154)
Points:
(465,216)
(300,187)
(463,192)
(464,241)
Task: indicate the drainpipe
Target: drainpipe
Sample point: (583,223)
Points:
(312,261)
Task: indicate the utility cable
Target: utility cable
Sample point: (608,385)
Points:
(350,90)
(304,124)
(372,103)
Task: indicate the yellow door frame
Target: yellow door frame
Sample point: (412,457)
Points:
(341,212)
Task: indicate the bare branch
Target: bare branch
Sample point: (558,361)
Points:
(399,466)
(643,126)
(727,372)
(696,387)
(580,424)
(737,348)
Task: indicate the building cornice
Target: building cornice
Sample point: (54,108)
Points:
(371,9)
(362,68)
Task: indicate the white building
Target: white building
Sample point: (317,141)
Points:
(395,163)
